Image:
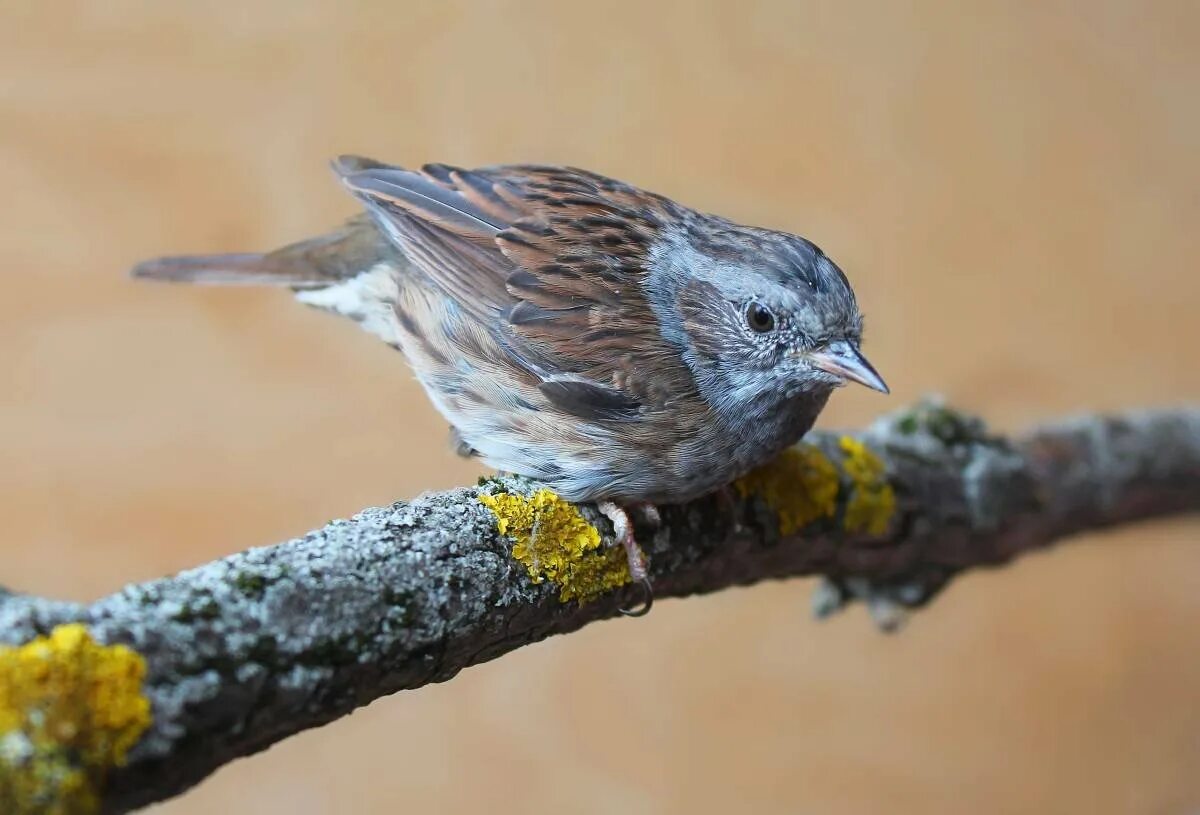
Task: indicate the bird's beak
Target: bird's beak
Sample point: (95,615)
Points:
(842,358)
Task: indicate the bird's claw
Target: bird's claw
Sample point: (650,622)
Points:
(623,530)
(647,600)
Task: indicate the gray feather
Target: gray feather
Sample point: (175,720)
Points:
(240,269)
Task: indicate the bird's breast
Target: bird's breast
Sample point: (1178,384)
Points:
(678,460)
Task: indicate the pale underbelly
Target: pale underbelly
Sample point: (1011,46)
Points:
(616,467)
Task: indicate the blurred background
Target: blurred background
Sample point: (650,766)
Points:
(1013,187)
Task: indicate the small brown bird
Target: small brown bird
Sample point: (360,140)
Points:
(605,340)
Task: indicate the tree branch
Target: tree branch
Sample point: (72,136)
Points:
(247,650)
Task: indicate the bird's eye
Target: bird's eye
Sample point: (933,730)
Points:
(759,318)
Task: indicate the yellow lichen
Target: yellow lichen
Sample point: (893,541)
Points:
(70,709)
(872,501)
(556,543)
(800,486)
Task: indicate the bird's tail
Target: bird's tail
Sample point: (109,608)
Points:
(310,264)
(246,269)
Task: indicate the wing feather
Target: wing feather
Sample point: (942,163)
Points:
(551,260)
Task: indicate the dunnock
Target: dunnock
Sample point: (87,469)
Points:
(602,339)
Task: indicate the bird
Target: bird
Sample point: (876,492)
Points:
(619,347)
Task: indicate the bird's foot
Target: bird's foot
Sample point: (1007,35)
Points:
(638,569)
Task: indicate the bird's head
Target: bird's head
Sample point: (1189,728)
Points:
(760,313)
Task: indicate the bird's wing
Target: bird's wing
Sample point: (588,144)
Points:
(553,260)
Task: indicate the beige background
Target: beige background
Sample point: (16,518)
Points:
(1012,188)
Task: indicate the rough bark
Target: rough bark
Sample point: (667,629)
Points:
(257,646)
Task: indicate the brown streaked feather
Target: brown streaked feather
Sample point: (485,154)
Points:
(437,204)
(551,259)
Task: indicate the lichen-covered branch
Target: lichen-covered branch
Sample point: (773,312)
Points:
(139,695)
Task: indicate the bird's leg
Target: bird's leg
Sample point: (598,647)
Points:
(623,529)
